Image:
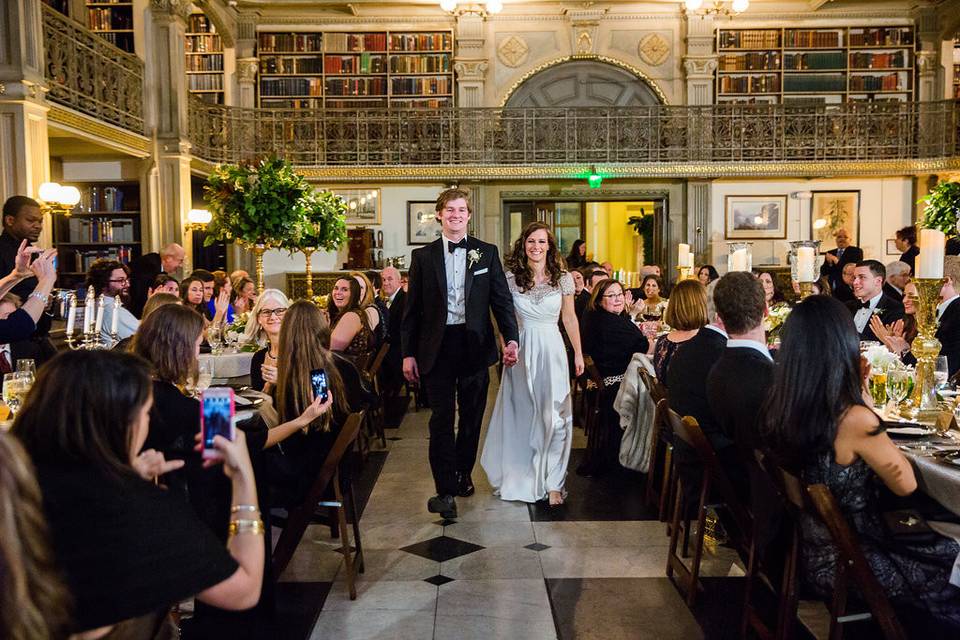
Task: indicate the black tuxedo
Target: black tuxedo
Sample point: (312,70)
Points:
(143,271)
(834,273)
(889,290)
(843,293)
(391,373)
(891,310)
(948,333)
(580,302)
(37,349)
(737,386)
(453,359)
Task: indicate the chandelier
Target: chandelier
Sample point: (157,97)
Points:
(489,7)
(716,8)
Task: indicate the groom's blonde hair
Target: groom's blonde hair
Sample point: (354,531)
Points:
(449,195)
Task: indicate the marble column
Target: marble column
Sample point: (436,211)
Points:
(470,62)
(700,65)
(698,219)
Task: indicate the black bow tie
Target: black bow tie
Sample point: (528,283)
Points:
(865,305)
(453,246)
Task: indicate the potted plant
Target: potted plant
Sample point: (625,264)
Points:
(323,225)
(258,205)
(942,208)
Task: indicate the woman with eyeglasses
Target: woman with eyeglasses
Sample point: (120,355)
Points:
(263,329)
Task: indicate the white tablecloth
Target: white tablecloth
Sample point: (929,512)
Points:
(229,365)
(939,480)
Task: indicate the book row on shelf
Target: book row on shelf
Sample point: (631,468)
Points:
(750,84)
(83,259)
(888,82)
(199,23)
(893,60)
(815,38)
(750,39)
(421,42)
(355,42)
(814,61)
(291,86)
(819,39)
(769,61)
(205,82)
(356,86)
(105,19)
(120,40)
(420,63)
(882,36)
(102,199)
(814,83)
(101,230)
(205,63)
(289,42)
(421,86)
(203,43)
(277,64)
(363,63)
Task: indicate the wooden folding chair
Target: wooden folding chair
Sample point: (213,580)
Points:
(818,502)
(661,454)
(300,516)
(375,415)
(592,383)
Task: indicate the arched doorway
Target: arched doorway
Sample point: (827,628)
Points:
(584,83)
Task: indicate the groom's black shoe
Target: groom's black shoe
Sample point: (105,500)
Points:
(446,506)
(465,487)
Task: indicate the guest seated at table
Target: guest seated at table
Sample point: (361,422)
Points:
(871,300)
(818,424)
(354,326)
(652,306)
(707,274)
(898,275)
(610,339)
(111,279)
(898,336)
(243,295)
(191,292)
(35,602)
(163,284)
(128,548)
(843,290)
(370,297)
(394,299)
(591,277)
(771,292)
(686,314)
(33,348)
(209,283)
(263,330)
(219,308)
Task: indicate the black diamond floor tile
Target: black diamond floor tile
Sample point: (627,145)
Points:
(442,548)
(438,580)
(537,546)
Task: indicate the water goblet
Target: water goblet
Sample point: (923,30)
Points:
(940,372)
(11,395)
(898,381)
(215,338)
(28,368)
(204,375)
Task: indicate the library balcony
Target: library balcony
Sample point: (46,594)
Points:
(666,141)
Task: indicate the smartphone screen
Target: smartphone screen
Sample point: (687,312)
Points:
(217,410)
(318,378)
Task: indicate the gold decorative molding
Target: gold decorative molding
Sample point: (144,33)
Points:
(89,128)
(653,49)
(513,51)
(607,59)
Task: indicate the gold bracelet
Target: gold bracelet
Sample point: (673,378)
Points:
(251,508)
(246,526)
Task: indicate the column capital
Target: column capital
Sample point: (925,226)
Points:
(247,69)
(471,70)
(172,9)
(700,66)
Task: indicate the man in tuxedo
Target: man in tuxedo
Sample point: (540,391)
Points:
(948,314)
(391,374)
(868,277)
(844,291)
(145,269)
(835,259)
(898,275)
(447,339)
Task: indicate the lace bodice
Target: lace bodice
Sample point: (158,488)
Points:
(540,291)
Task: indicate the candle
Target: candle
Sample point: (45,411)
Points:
(99,323)
(932,251)
(806,271)
(116,315)
(739,260)
(88,311)
(683,254)
(71,314)
(689,261)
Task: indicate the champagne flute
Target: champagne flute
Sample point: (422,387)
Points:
(897,382)
(10,395)
(940,372)
(204,374)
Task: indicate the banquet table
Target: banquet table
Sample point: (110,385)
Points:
(229,367)
(938,479)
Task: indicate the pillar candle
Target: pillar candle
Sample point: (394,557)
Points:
(89,311)
(689,262)
(683,253)
(71,314)
(932,250)
(99,323)
(739,262)
(806,269)
(116,315)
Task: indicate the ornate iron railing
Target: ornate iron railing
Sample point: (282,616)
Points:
(90,75)
(637,135)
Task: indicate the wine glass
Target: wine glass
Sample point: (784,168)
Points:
(941,373)
(215,338)
(230,338)
(11,394)
(204,374)
(898,382)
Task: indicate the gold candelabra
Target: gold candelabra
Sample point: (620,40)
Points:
(684,273)
(806,290)
(926,348)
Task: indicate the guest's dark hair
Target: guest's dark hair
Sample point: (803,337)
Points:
(816,380)
(99,274)
(353,303)
(81,408)
(594,273)
(824,283)
(517,260)
(712,272)
(203,275)
(876,268)
(661,292)
(184,292)
(574,259)
(166,339)
(14,204)
(777,293)
(163,279)
(908,234)
(739,301)
(599,291)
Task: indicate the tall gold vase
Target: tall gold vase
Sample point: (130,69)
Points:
(258,251)
(307,253)
(926,348)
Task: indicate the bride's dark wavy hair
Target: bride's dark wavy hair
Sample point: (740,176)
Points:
(517,261)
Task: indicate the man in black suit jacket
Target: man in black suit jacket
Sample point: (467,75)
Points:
(948,314)
(394,298)
(898,275)
(448,340)
(868,280)
(835,259)
(145,269)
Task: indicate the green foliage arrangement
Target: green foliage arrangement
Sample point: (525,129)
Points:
(942,208)
(643,225)
(323,225)
(256,204)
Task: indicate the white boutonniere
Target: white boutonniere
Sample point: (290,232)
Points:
(878,311)
(473,257)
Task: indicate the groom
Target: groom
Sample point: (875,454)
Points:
(447,339)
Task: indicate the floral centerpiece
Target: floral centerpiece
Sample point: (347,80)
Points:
(773,322)
(323,225)
(235,333)
(259,205)
(881,361)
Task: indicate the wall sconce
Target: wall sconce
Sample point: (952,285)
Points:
(490,7)
(198,219)
(55,198)
(718,8)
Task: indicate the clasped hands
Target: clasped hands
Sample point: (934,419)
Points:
(412,372)
(890,335)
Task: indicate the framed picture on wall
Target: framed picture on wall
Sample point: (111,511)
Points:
(422,225)
(756,217)
(892,248)
(831,211)
(363,204)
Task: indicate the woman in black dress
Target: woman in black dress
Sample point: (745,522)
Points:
(686,314)
(817,423)
(578,255)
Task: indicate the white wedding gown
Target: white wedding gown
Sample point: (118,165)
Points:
(528,441)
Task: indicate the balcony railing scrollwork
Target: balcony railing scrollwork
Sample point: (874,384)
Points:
(721,133)
(88,74)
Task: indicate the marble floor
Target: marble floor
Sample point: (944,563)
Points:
(594,569)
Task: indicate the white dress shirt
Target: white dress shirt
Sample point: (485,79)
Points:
(750,344)
(717,329)
(456,266)
(390,299)
(943,305)
(127,323)
(862,317)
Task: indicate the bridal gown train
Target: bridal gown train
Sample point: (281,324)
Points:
(528,441)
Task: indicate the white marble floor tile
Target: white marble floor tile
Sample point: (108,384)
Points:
(604,562)
(389,595)
(496,562)
(394,535)
(492,534)
(374,625)
(385,565)
(601,534)
(488,609)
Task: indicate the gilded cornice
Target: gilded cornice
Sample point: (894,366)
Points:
(89,128)
(661,171)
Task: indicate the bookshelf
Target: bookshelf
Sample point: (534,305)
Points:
(337,70)
(827,65)
(112,21)
(204,51)
(106,224)
(956,69)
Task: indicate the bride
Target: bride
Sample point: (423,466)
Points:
(528,442)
